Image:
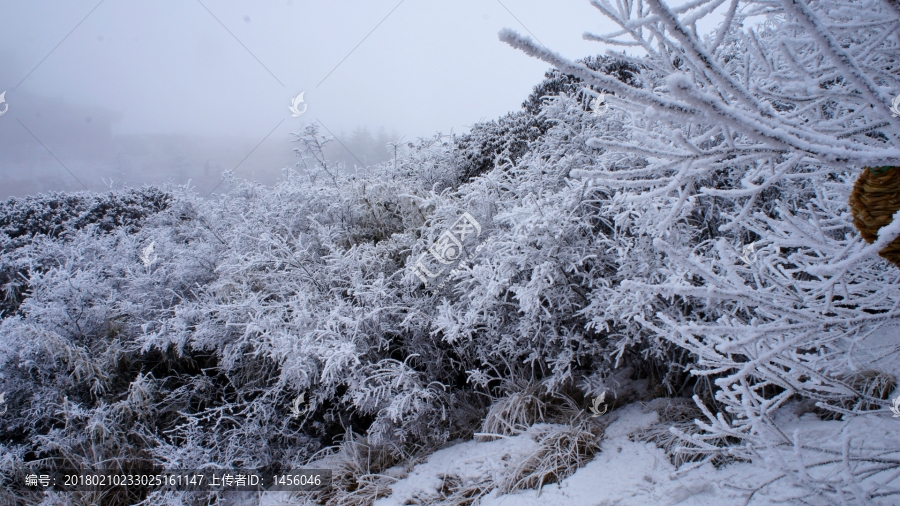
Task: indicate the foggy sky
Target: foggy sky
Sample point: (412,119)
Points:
(169,66)
(228,69)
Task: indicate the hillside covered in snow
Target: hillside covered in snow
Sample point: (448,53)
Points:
(644,287)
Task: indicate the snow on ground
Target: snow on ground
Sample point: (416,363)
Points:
(876,350)
(626,473)
(623,473)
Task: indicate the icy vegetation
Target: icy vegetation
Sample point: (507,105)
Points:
(682,251)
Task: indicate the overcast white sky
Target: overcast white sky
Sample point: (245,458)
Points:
(228,69)
(170,66)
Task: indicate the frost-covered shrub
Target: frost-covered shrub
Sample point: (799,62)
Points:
(78,389)
(24,221)
(503,140)
(56,213)
(679,416)
(731,176)
(187,332)
(696,235)
(557,83)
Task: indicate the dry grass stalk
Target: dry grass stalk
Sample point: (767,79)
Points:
(357,478)
(458,492)
(515,413)
(870,387)
(561,452)
(679,413)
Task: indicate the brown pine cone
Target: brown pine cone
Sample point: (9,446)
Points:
(874,200)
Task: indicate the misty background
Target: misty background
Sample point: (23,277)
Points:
(182,90)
